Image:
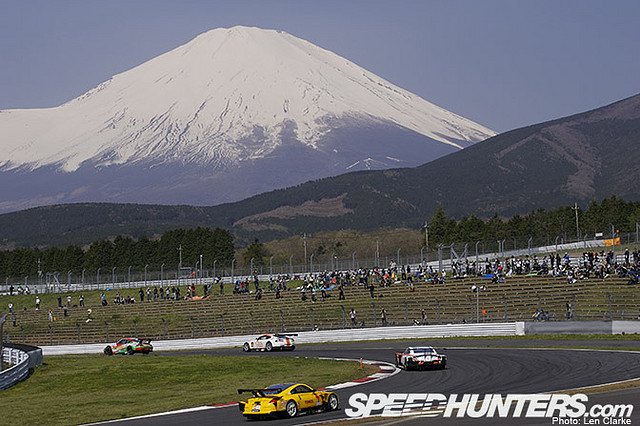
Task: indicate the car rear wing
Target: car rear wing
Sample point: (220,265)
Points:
(261,392)
(286,335)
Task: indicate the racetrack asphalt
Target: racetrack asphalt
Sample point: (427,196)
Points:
(474,366)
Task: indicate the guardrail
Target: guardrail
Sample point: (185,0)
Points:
(22,358)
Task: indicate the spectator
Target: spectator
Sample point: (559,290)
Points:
(82,300)
(68,300)
(10,307)
(352,314)
(424,317)
(383,316)
(341,289)
(37,303)
(50,316)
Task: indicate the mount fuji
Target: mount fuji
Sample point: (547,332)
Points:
(230,114)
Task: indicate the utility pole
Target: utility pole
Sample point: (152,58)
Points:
(304,243)
(426,239)
(180,250)
(576,208)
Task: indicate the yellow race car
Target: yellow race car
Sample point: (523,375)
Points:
(287,400)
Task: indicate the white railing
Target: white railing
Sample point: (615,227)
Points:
(19,369)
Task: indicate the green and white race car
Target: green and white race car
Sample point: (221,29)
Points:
(128,346)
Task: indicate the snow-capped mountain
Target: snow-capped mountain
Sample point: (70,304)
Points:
(231,113)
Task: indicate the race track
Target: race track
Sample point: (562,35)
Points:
(470,370)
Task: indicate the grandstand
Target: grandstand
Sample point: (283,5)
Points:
(515,298)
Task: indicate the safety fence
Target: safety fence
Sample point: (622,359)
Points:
(20,358)
(441,257)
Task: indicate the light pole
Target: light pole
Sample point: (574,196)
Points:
(145,274)
(200,270)
(113,276)
(426,238)
(251,267)
(233,262)
(214,268)
(304,243)
(377,253)
(291,266)
(477,290)
(311,265)
(129,275)
(353,261)
(162,275)
(98,277)
(576,208)
(613,241)
(271,265)
(332,256)
(398,262)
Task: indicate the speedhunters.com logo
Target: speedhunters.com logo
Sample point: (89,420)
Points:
(561,409)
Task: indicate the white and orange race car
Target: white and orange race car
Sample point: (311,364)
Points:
(269,342)
(417,358)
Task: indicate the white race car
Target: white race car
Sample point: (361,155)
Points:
(420,358)
(269,342)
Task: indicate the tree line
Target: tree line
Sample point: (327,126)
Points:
(123,251)
(541,225)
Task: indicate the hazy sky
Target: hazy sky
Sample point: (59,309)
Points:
(502,63)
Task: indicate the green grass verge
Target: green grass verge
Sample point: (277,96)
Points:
(70,390)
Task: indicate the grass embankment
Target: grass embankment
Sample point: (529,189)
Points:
(70,390)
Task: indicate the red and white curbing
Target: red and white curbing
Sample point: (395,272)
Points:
(386,370)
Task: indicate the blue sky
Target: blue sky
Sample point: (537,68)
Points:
(502,63)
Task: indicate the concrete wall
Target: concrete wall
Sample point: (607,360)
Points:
(582,327)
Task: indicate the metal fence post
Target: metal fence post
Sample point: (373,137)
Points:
(406,312)
(282,319)
(78,327)
(251,313)
(50,335)
(344,317)
(610,316)
(313,319)
(438,302)
(192,328)
(504,298)
(106,325)
(135,329)
(375,318)
(164,333)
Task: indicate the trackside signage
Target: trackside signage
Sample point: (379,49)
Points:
(560,409)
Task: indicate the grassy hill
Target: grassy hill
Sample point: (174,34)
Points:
(517,298)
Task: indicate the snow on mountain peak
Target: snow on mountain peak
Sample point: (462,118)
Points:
(226,96)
